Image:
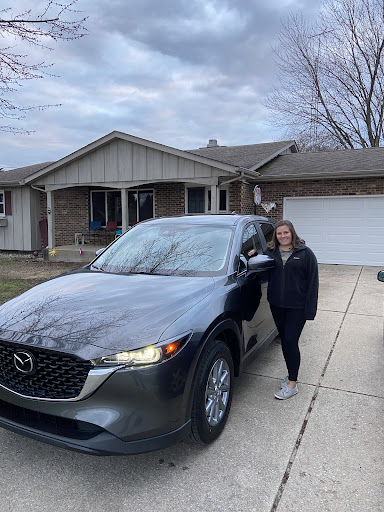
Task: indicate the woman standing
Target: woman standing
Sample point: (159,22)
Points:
(292,295)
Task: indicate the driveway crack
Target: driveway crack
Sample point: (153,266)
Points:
(299,438)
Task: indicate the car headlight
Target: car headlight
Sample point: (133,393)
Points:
(145,356)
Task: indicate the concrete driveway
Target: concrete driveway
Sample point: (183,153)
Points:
(323,450)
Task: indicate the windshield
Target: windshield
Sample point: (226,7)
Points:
(169,249)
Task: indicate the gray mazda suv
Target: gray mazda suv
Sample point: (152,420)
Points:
(139,349)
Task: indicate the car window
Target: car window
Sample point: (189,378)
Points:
(267,230)
(169,249)
(251,240)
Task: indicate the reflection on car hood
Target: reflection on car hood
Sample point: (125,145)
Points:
(104,310)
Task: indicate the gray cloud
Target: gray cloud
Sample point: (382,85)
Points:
(177,72)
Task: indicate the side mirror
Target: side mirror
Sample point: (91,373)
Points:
(261,262)
(99,251)
(380,276)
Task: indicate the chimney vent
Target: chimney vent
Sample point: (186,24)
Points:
(212,143)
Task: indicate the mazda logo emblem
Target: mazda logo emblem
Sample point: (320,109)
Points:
(24,362)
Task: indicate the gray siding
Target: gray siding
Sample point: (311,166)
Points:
(124,161)
(22,232)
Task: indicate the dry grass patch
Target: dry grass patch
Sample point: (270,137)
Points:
(18,275)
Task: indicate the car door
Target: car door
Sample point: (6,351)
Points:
(257,321)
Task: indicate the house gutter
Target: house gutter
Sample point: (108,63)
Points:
(251,175)
(5,184)
(37,188)
(326,176)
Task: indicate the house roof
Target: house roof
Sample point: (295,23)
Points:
(250,156)
(267,158)
(227,158)
(327,164)
(130,138)
(13,176)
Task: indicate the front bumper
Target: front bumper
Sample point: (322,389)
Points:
(85,438)
(135,410)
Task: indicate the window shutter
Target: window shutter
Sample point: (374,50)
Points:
(8,202)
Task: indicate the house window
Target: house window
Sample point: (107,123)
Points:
(140,205)
(223,193)
(2,203)
(106,206)
(199,200)
(196,200)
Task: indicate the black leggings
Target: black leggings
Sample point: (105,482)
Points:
(289,323)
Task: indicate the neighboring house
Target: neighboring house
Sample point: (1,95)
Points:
(19,210)
(335,199)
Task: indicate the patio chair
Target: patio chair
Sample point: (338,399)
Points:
(94,231)
(110,231)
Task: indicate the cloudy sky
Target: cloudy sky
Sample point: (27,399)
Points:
(178,72)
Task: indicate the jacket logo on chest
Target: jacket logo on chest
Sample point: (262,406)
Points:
(296,258)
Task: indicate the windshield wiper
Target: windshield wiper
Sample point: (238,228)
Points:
(141,272)
(97,268)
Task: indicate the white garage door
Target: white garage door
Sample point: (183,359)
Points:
(346,229)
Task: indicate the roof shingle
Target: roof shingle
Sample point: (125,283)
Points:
(242,156)
(15,175)
(328,162)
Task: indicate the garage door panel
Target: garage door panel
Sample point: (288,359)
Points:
(346,223)
(376,224)
(340,230)
(376,219)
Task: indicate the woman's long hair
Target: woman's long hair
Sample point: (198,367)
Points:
(295,237)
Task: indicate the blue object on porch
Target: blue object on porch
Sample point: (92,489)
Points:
(94,231)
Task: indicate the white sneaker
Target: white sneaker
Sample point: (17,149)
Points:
(286,392)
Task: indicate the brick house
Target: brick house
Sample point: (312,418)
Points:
(125,179)
(335,199)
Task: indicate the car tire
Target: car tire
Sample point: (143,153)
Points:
(213,393)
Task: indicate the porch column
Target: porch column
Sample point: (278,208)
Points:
(124,209)
(51,218)
(213,198)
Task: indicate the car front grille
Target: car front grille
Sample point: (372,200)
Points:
(56,376)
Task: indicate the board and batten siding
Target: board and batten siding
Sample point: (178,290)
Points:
(120,162)
(22,232)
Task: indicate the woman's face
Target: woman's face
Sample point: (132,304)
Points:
(284,236)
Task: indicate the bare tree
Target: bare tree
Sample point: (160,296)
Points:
(312,141)
(39,28)
(332,80)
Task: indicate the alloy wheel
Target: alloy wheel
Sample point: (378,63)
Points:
(217,392)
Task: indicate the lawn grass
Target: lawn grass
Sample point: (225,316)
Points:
(17,275)
(10,288)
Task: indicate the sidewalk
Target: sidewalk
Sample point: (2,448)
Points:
(322,450)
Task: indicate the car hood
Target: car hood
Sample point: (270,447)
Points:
(110,311)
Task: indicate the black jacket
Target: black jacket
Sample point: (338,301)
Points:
(296,284)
